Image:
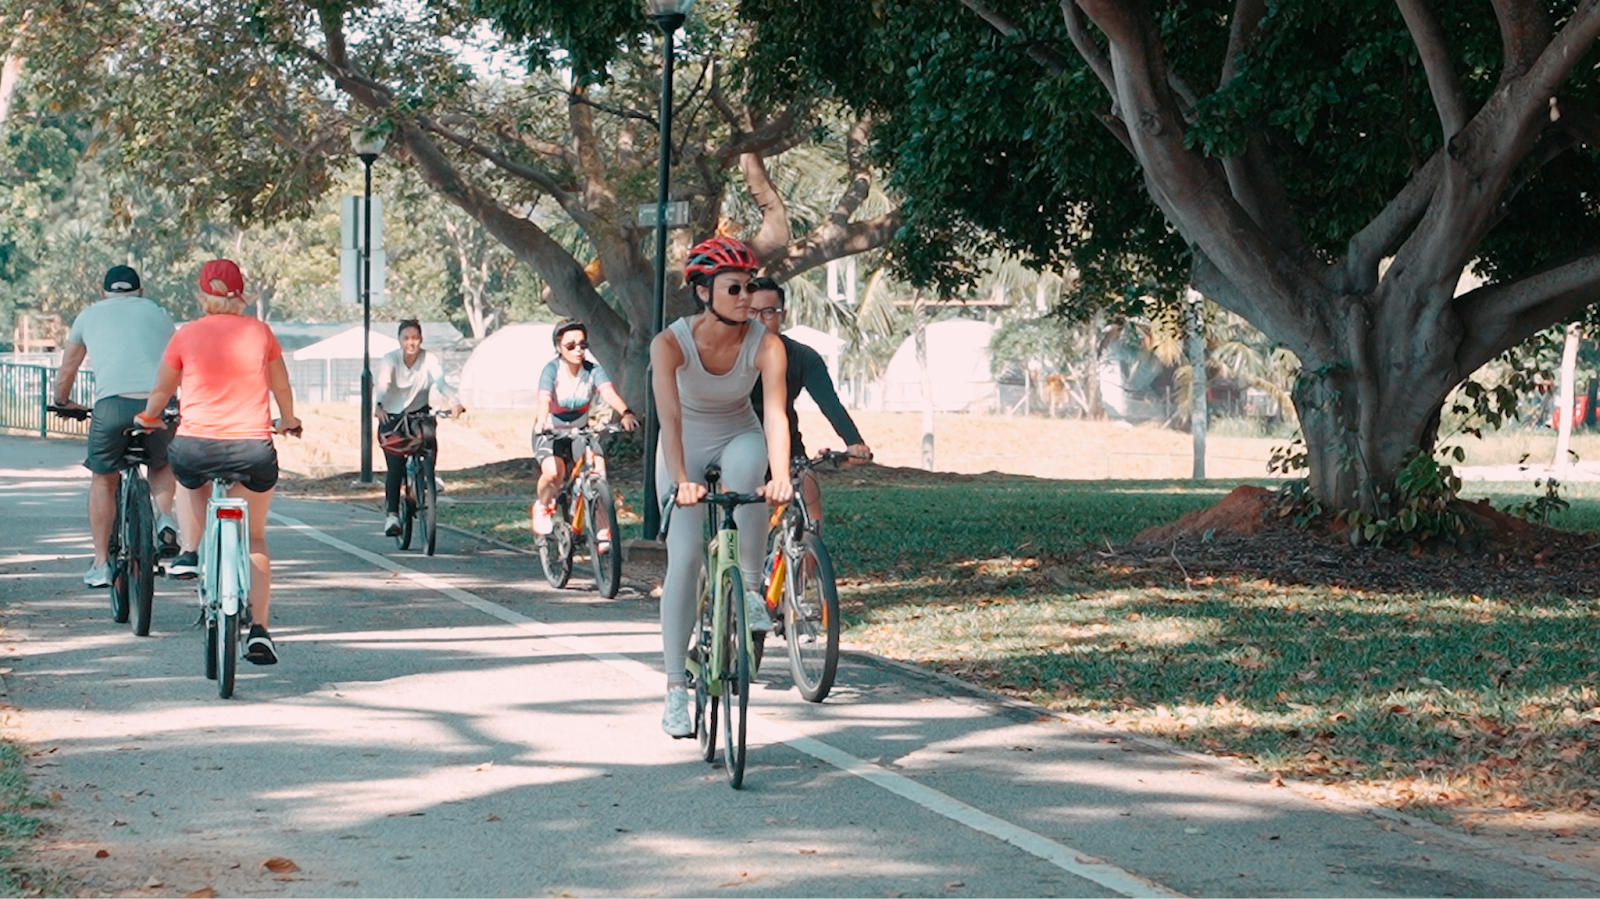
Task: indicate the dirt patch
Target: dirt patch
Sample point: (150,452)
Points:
(1241,513)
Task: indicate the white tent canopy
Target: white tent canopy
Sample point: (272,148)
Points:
(958,367)
(503,371)
(347,345)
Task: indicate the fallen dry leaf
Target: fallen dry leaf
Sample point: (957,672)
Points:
(202,893)
(154,882)
(492,818)
(56,797)
(279,865)
(1194,830)
(102,854)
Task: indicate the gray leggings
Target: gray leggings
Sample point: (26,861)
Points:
(744,469)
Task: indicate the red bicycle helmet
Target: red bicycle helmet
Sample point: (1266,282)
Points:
(718,254)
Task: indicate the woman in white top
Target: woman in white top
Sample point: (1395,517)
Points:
(400,387)
(703,368)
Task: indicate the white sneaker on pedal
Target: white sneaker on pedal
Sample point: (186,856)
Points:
(755,612)
(543,518)
(675,720)
(391,525)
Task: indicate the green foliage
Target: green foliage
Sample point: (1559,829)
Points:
(1423,507)
(1541,506)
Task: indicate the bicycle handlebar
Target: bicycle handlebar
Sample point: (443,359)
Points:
(729,499)
(68,412)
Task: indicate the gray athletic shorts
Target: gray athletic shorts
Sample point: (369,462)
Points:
(108,435)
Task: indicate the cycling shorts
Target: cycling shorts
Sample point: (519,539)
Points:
(109,438)
(547,445)
(198,460)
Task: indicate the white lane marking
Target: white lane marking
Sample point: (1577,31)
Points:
(1071,860)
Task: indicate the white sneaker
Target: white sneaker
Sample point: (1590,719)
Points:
(675,720)
(543,518)
(755,612)
(98,575)
(391,526)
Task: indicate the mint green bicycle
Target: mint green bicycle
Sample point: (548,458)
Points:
(721,659)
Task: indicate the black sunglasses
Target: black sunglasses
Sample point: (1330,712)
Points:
(580,345)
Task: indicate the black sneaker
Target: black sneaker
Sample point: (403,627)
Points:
(184,566)
(258,648)
(166,537)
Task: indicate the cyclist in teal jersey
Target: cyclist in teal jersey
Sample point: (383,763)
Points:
(567,388)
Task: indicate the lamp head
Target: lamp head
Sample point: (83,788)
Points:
(669,14)
(368,144)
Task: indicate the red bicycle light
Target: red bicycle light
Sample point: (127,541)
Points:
(229,513)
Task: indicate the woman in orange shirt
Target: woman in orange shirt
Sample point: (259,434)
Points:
(227,363)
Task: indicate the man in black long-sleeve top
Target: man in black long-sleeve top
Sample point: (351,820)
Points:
(807,371)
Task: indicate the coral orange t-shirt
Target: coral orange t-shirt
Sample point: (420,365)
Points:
(223,361)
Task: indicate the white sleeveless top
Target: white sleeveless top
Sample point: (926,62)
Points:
(716,408)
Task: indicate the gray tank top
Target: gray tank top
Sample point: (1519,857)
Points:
(716,408)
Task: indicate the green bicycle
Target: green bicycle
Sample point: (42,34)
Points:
(721,659)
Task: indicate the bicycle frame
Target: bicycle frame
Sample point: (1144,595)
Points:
(722,553)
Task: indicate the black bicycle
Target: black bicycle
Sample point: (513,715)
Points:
(419,493)
(586,515)
(132,550)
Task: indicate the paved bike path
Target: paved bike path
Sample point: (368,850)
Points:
(450,726)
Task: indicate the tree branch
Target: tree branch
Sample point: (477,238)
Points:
(1524,33)
(1497,316)
(818,248)
(1044,55)
(1089,50)
(1383,235)
(1242,31)
(774,234)
(1443,82)
(540,178)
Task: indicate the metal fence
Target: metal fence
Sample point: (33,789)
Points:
(25,392)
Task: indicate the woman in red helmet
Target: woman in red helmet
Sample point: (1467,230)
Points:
(703,367)
(228,364)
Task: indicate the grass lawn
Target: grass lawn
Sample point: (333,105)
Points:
(1428,701)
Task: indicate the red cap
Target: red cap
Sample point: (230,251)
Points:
(221,278)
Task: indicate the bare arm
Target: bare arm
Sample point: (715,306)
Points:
(283,395)
(774,364)
(615,401)
(167,380)
(666,357)
(71,360)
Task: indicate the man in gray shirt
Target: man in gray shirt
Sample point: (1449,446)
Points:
(125,334)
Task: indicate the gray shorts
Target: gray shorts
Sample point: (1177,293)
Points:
(109,438)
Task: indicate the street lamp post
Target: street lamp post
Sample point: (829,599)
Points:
(367,146)
(669,16)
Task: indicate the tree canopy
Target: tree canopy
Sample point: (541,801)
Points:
(245,109)
(1325,170)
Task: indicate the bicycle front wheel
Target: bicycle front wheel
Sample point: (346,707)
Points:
(226,646)
(226,574)
(427,490)
(555,548)
(604,540)
(735,675)
(408,509)
(141,543)
(811,618)
(701,675)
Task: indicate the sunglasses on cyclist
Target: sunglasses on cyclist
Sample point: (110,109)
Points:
(768,312)
(577,345)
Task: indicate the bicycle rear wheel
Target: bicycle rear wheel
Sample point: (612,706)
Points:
(604,539)
(735,675)
(811,618)
(210,624)
(121,587)
(427,491)
(141,542)
(227,579)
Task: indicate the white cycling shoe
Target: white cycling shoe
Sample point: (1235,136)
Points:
(675,719)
